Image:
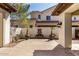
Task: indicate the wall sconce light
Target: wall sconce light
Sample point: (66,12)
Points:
(59,24)
(31,26)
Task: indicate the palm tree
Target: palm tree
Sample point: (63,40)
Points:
(23,13)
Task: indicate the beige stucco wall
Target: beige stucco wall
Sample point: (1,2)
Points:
(60,18)
(61,31)
(46,31)
(47,23)
(32,31)
(77,17)
(6,29)
(6,26)
(48,12)
(73,32)
(35,14)
(32,22)
(43,14)
(75,23)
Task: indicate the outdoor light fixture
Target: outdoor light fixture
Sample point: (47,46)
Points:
(31,26)
(59,24)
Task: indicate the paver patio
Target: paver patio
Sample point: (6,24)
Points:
(37,47)
(27,47)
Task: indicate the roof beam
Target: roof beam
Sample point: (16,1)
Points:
(7,7)
(61,7)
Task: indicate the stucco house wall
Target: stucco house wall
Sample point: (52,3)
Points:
(45,30)
(73,32)
(43,14)
(76,16)
(6,26)
(48,12)
(6,29)
(34,14)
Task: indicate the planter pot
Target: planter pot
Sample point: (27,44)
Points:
(26,37)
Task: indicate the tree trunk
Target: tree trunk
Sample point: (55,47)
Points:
(26,36)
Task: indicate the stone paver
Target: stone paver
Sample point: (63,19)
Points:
(75,44)
(43,46)
(57,51)
(60,51)
(27,47)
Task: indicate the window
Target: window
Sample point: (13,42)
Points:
(39,16)
(48,18)
(74,18)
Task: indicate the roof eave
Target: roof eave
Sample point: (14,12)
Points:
(61,7)
(7,7)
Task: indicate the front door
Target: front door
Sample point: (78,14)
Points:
(77,34)
(1,30)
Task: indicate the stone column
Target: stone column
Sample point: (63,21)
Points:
(68,30)
(1,29)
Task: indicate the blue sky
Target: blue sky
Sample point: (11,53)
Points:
(40,6)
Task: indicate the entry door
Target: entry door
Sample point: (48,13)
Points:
(77,34)
(1,30)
